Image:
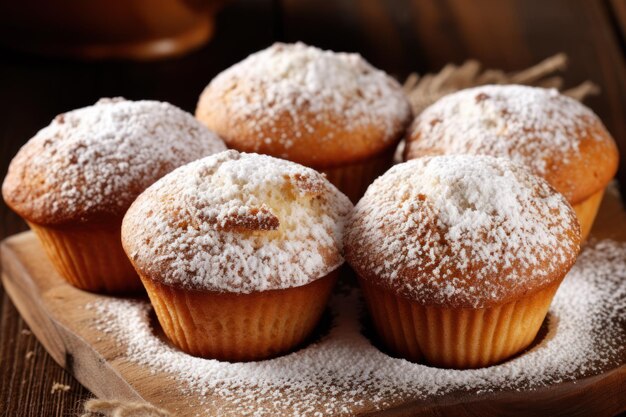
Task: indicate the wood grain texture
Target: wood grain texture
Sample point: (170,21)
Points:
(399,36)
(57,315)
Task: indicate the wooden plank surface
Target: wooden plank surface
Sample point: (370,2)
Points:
(399,36)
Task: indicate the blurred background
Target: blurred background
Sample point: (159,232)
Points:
(60,55)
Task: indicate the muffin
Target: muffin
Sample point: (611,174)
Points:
(238,252)
(459,257)
(330,111)
(555,136)
(74,180)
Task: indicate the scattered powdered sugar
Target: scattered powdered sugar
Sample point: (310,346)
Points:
(530,125)
(97,159)
(237,222)
(304,82)
(344,374)
(461,230)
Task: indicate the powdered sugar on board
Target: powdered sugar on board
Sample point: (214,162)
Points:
(344,374)
(95,161)
(530,125)
(237,222)
(461,231)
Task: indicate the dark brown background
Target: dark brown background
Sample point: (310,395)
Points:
(399,36)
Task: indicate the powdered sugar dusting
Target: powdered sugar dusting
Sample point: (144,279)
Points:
(237,222)
(461,231)
(341,90)
(94,161)
(532,126)
(343,374)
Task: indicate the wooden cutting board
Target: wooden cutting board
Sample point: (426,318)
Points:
(55,313)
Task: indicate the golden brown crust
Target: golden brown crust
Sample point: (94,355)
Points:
(462,231)
(253,218)
(90,164)
(237,223)
(408,278)
(577,174)
(26,191)
(561,140)
(310,149)
(317,108)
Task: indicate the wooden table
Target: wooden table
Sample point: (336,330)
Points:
(399,36)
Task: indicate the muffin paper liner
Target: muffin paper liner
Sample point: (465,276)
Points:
(239,327)
(89,257)
(353,179)
(456,337)
(586,212)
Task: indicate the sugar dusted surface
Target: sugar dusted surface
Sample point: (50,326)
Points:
(461,231)
(533,126)
(341,90)
(344,374)
(94,161)
(239,223)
